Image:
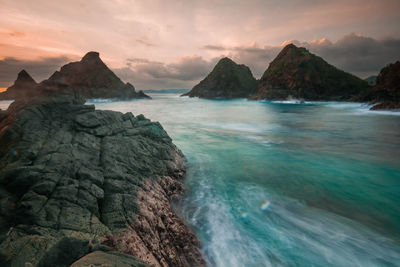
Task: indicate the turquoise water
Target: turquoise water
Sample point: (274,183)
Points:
(328,175)
(284,184)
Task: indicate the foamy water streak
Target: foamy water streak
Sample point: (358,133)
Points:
(268,236)
(286,184)
(5,103)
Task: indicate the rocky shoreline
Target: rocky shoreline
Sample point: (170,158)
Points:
(85,187)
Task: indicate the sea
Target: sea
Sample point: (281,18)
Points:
(284,183)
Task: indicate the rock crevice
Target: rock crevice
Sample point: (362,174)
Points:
(70,172)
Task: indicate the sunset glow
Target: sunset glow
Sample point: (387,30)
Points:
(206,133)
(153,45)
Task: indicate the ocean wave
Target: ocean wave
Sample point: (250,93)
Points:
(243,127)
(102,100)
(376,112)
(291,102)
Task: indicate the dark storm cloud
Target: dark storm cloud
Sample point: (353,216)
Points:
(183,73)
(358,54)
(214,47)
(362,56)
(353,53)
(39,69)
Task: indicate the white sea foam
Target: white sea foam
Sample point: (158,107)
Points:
(241,234)
(4,104)
(292,101)
(225,208)
(376,112)
(101,100)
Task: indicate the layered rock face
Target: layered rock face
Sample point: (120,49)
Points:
(297,73)
(91,78)
(227,80)
(89,188)
(23,86)
(386,93)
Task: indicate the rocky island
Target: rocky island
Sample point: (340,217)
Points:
(23,86)
(89,77)
(297,73)
(386,93)
(226,80)
(84,187)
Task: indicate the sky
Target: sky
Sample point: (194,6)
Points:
(174,44)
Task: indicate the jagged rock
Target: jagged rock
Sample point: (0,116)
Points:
(92,79)
(23,86)
(297,73)
(72,178)
(386,93)
(108,259)
(227,80)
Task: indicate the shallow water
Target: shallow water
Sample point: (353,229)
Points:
(286,184)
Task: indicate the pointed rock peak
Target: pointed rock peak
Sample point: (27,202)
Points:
(23,76)
(226,80)
(291,53)
(293,50)
(225,64)
(91,57)
(298,73)
(226,60)
(290,46)
(91,78)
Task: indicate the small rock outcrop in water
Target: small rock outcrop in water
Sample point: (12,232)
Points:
(298,73)
(91,78)
(386,93)
(227,80)
(23,86)
(86,187)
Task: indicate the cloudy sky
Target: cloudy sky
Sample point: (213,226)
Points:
(173,44)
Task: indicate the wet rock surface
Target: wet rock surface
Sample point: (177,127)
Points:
(73,180)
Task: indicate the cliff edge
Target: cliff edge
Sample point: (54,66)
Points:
(81,187)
